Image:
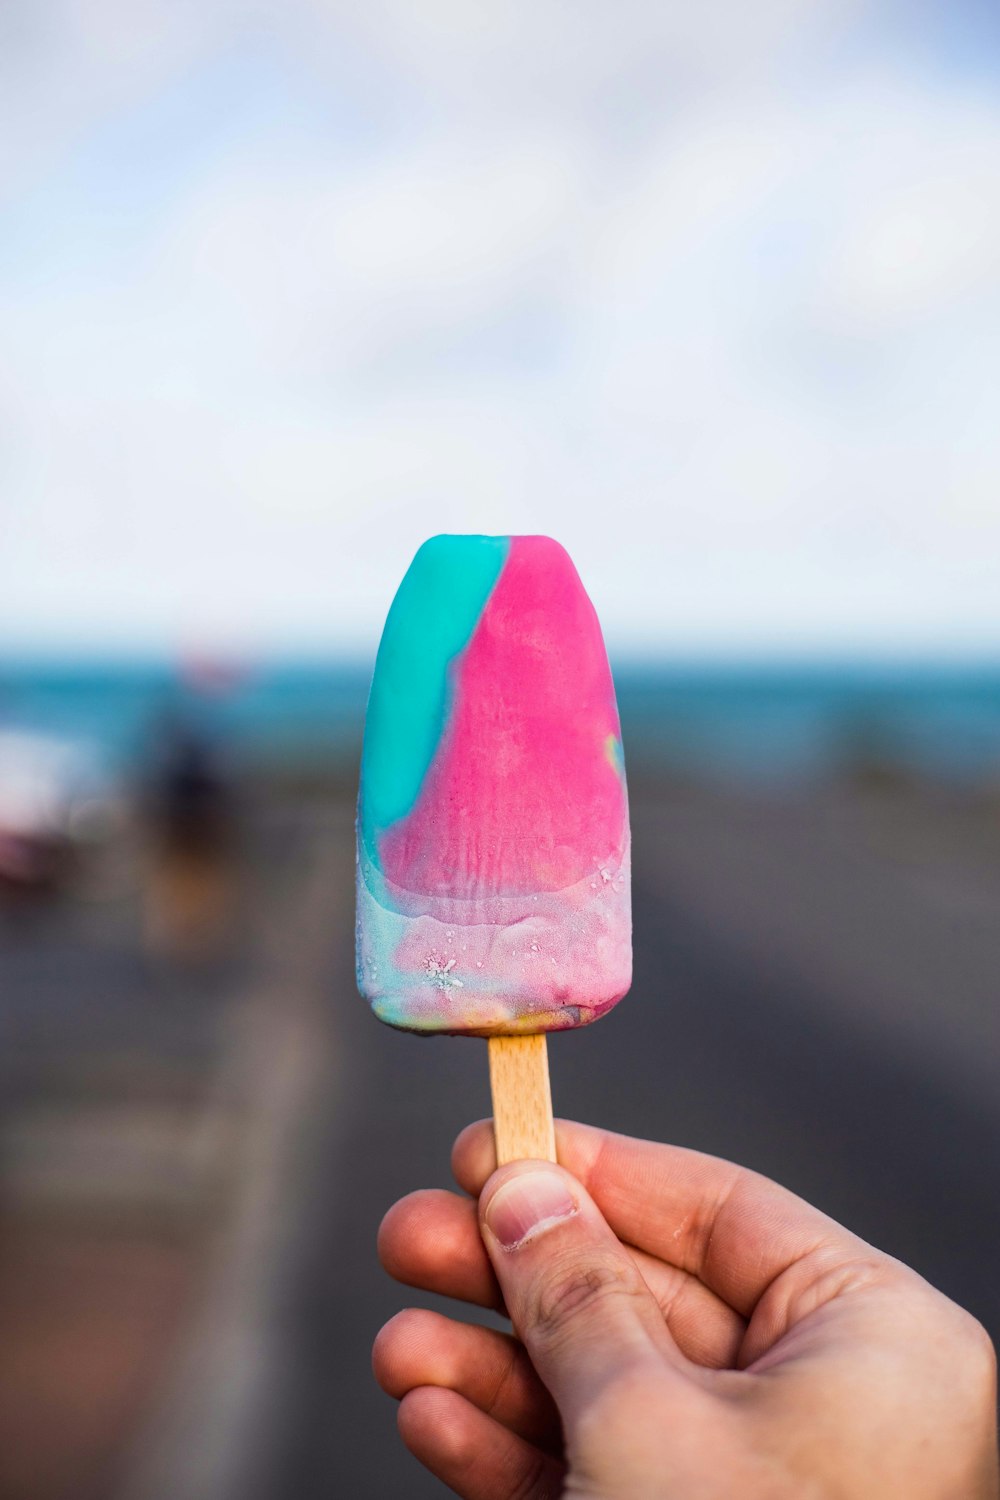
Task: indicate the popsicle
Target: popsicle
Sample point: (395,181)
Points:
(493,892)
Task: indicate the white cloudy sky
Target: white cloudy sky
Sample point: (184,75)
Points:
(710,292)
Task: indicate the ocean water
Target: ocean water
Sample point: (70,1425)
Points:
(766,722)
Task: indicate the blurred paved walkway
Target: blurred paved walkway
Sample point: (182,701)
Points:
(813,996)
(138,1098)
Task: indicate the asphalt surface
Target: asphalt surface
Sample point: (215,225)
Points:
(814,996)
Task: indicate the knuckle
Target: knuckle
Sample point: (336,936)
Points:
(578,1290)
(982,1355)
(963,1340)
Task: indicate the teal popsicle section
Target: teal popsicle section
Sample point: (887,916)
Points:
(435,611)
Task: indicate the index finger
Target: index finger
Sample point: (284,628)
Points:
(733,1229)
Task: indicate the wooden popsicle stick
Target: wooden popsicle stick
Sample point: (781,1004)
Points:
(522,1099)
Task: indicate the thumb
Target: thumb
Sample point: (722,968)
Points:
(574,1293)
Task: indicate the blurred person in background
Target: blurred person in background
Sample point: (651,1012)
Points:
(188,808)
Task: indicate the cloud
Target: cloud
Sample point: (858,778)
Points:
(728,340)
(69,67)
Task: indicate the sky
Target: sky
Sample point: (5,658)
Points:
(710,293)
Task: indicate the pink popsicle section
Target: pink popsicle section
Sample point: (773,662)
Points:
(524,787)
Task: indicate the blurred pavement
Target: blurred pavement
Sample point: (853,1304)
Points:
(814,996)
(196,1163)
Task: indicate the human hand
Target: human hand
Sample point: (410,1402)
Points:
(686,1329)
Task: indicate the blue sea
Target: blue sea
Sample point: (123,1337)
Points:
(776,721)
